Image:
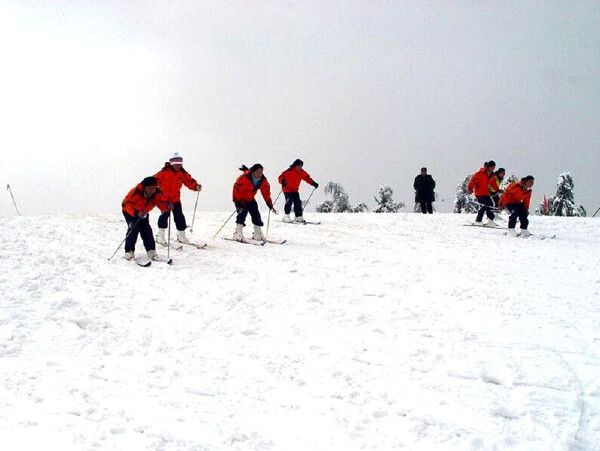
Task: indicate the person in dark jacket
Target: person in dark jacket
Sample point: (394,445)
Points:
(424,195)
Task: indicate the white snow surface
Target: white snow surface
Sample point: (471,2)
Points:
(390,331)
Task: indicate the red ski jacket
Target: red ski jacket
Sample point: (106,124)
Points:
(292,179)
(480,183)
(136,201)
(170,182)
(516,193)
(244,189)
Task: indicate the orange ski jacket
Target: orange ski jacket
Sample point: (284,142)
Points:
(136,201)
(480,183)
(516,193)
(170,182)
(292,179)
(244,190)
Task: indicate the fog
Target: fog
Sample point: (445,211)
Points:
(96,95)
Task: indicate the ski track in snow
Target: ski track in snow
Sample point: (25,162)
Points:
(368,331)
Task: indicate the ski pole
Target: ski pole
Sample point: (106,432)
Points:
(169,238)
(221,228)
(13,198)
(308,200)
(126,236)
(277,197)
(269,215)
(194,217)
(594,215)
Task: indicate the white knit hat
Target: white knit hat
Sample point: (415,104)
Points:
(176,159)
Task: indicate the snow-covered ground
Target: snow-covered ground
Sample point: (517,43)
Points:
(392,331)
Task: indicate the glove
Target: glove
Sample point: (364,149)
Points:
(284,183)
(240,205)
(315,184)
(142,214)
(273,210)
(198,187)
(169,206)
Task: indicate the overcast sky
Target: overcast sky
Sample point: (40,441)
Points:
(96,95)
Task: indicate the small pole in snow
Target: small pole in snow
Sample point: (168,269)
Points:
(13,198)
(594,215)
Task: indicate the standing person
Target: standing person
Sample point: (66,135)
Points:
(170,179)
(480,185)
(136,206)
(424,195)
(516,200)
(290,182)
(495,182)
(244,190)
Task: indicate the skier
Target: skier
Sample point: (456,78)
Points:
(495,182)
(290,182)
(424,195)
(516,200)
(136,206)
(480,185)
(170,179)
(244,190)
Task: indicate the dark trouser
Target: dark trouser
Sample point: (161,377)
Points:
(163,219)
(138,226)
(486,207)
(517,211)
(426,207)
(248,207)
(292,198)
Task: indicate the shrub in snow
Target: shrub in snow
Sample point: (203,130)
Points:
(385,203)
(360,208)
(563,203)
(462,201)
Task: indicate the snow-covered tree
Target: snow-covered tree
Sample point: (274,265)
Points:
(563,203)
(462,201)
(340,202)
(507,181)
(385,203)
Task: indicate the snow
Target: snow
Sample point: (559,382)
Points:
(368,331)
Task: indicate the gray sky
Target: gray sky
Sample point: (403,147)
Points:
(95,95)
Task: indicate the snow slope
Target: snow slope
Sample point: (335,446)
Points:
(366,332)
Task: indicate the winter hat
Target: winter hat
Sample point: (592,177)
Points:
(149,181)
(176,159)
(297,162)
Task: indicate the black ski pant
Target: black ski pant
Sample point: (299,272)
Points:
(426,207)
(243,208)
(293,199)
(163,219)
(138,226)
(517,211)
(486,207)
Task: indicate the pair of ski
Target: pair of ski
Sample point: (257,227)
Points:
(533,236)
(302,223)
(147,261)
(255,242)
(178,245)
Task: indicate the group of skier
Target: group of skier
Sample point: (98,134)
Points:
(163,190)
(485,184)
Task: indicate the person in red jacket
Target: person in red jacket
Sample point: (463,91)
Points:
(516,200)
(244,190)
(136,206)
(170,179)
(480,185)
(290,182)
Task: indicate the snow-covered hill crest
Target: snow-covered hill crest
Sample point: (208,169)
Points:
(368,331)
